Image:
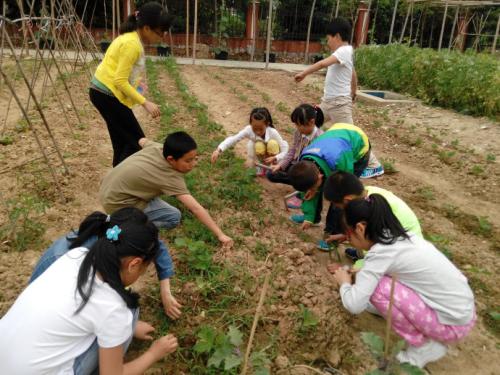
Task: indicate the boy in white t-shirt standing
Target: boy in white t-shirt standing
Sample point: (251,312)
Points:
(340,82)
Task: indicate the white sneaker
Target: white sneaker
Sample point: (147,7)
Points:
(420,356)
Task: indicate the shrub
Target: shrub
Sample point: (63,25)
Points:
(466,82)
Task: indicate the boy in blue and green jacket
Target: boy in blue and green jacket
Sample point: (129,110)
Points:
(344,147)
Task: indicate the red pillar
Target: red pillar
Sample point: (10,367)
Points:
(461,33)
(361,36)
(248,30)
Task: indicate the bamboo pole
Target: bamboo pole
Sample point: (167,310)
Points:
(455,19)
(393,19)
(35,134)
(118,16)
(269,31)
(337,9)
(255,321)
(411,23)
(254,11)
(195,31)
(187,28)
(442,26)
(306,57)
(494,45)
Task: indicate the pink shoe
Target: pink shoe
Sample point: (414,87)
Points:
(294,202)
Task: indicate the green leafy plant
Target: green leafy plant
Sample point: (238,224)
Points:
(490,158)
(6,140)
(198,255)
(477,170)
(389,365)
(222,348)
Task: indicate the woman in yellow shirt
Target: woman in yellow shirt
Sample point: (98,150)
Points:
(119,80)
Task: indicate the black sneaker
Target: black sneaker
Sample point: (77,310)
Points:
(352,254)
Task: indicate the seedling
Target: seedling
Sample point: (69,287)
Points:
(198,255)
(426,192)
(6,140)
(477,170)
(490,158)
(307,320)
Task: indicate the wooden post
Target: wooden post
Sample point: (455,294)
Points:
(254,37)
(452,34)
(269,31)
(494,45)
(195,29)
(337,9)
(306,57)
(442,26)
(187,28)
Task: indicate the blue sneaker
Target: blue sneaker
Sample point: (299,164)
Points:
(372,172)
(323,245)
(297,218)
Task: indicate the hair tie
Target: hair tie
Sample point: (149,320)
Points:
(108,218)
(136,14)
(112,233)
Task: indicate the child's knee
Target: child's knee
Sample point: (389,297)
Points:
(260,148)
(273,148)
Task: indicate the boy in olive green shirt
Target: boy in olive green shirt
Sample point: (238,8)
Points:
(157,170)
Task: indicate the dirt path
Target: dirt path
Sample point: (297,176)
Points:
(424,180)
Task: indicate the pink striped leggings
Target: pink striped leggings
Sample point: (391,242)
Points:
(412,319)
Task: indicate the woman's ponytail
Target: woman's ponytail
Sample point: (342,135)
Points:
(381,224)
(93,225)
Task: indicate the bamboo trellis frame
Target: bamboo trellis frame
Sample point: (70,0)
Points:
(70,51)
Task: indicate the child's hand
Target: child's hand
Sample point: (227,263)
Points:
(171,306)
(215,156)
(342,276)
(226,241)
(336,238)
(306,225)
(299,77)
(152,108)
(270,160)
(143,330)
(275,168)
(163,346)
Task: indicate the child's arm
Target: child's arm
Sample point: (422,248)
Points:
(325,63)
(231,141)
(111,359)
(202,214)
(170,304)
(354,84)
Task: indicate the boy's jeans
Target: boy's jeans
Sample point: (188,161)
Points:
(87,363)
(162,214)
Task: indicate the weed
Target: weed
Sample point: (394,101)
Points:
(490,158)
(484,226)
(417,142)
(377,123)
(446,156)
(6,140)
(426,192)
(22,229)
(265,97)
(477,170)
(261,250)
(282,107)
(388,165)
(454,143)
(21,126)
